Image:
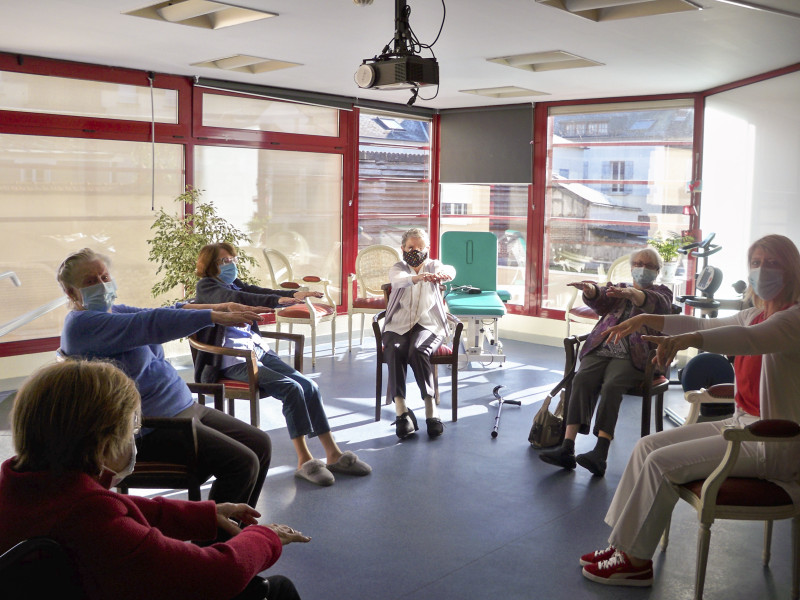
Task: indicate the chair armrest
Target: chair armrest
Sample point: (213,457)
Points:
(217,390)
(458,327)
(197,345)
(297,338)
(708,396)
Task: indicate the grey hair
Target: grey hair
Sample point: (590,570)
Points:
(652,253)
(415,232)
(67,270)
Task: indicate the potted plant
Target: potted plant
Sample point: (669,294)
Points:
(667,247)
(178,239)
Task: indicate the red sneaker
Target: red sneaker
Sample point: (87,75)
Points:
(618,570)
(597,556)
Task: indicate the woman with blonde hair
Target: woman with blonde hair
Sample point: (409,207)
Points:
(73,426)
(766,342)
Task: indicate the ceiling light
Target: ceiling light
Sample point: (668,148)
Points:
(201,13)
(609,10)
(545,61)
(508,91)
(242,63)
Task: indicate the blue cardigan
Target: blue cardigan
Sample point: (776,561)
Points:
(132,337)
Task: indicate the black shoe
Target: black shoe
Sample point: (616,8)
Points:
(406,424)
(435,427)
(594,464)
(559,457)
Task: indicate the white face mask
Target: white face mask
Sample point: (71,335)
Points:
(767,283)
(643,276)
(117,477)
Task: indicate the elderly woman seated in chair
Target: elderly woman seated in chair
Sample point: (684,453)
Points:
(609,369)
(415,327)
(301,396)
(73,426)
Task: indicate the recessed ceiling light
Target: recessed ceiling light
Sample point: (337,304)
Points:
(609,10)
(243,63)
(545,61)
(201,13)
(508,91)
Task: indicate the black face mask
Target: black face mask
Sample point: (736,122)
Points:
(415,258)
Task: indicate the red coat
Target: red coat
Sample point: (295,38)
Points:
(128,547)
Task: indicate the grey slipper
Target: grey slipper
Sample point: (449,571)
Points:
(350,464)
(314,471)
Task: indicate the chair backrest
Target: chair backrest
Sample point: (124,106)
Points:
(620,270)
(38,568)
(474,256)
(372,267)
(280,270)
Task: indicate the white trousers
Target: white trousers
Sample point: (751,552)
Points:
(646,494)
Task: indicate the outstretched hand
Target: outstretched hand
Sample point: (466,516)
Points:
(243,513)
(622,330)
(669,345)
(288,535)
(236,307)
(234,319)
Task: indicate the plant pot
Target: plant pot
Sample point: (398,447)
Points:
(668,271)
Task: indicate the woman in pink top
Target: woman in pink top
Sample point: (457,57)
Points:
(766,341)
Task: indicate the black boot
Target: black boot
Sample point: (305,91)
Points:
(563,456)
(406,424)
(595,460)
(435,427)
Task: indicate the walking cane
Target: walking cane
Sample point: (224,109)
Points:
(500,402)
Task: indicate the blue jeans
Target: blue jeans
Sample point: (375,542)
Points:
(301,398)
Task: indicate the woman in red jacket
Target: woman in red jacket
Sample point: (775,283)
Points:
(74,426)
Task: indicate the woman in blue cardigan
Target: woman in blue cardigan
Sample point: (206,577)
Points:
(301,397)
(235,453)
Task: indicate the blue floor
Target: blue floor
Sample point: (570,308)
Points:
(466,516)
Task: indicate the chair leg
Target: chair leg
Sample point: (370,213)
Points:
(703,541)
(333,336)
(665,535)
(278,330)
(255,417)
(659,412)
(361,342)
(350,331)
(436,384)
(766,552)
(378,387)
(313,346)
(646,399)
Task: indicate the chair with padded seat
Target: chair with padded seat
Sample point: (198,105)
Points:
(248,390)
(742,498)
(446,354)
(39,567)
(653,385)
(309,313)
(372,271)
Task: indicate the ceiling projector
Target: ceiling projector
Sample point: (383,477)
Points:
(397,72)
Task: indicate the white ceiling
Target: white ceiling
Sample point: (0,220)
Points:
(674,53)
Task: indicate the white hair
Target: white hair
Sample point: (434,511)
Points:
(652,253)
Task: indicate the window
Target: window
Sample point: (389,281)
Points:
(501,209)
(604,197)
(394,165)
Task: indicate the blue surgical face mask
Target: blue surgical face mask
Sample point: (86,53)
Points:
(767,283)
(99,296)
(643,276)
(228,273)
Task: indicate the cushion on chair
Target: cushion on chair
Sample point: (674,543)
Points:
(290,285)
(312,279)
(374,302)
(745,491)
(583,311)
(300,311)
(235,384)
(443,351)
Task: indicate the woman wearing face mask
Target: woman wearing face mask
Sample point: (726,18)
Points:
(414,328)
(73,426)
(301,397)
(609,369)
(766,342)
(236,453)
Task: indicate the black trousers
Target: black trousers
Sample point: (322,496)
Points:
(415,348)
(235,453)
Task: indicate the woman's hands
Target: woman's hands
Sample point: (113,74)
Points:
(243,513)
(431,277)
(627,327)
(236,307)
(234,319)
(669,345)
(304,295)
(587,287)
(288,535)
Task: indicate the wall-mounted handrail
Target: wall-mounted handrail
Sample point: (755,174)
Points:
(14,279)
(31,315)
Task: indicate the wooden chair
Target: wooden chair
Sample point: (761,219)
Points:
(721,393)
(310,313)
(240,390)
(619,270)
(154,474)
(447,354)
(742,498)
(653,385)
(372,271)
(39,567)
